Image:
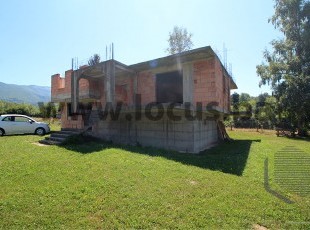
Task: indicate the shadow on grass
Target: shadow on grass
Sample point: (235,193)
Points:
(228,157)
(297,138)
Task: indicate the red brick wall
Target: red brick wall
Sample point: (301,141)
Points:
(61,85)
(121,94)
(84,86)
(219,83)
(55,82)
(210,83)
(223,87)
(227,93)
(68,81)
(124,90)
(208,80)
(146,87)
(204,81)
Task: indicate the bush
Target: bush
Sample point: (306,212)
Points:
(26,109)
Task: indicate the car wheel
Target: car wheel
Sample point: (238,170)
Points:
(40,131)
(1,132)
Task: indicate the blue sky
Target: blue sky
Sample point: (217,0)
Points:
(39,38)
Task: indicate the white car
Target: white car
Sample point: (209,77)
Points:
(19,124)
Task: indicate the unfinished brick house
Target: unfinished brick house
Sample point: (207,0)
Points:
(157,100)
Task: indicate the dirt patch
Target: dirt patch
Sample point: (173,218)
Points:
(261,131)
(39,144)
(192,182)
(259,227)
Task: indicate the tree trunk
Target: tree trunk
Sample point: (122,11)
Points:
(301,129)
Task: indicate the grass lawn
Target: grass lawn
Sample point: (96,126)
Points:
(100,185)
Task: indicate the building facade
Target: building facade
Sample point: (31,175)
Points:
(174,102)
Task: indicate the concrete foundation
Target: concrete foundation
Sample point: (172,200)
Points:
(183,136)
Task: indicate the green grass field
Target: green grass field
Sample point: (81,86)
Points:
(100,185)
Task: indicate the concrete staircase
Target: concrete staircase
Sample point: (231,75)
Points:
(59,137)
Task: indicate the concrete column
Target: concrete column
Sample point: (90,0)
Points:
(188,83)
(135,87)
(109,81)
(112,79)
(74,91)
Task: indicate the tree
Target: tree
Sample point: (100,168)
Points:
(47,110)
(265,111)
(288,65)
(244,97)
(235,104)
(235,98)
(261,99)
(93,60)
(179,40)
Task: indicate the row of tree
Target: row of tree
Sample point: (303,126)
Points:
(287,66)
(44,110)
(254,112)
(263,111)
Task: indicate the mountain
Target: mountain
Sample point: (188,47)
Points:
(31,94)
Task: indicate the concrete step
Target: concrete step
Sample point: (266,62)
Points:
(69,132)
(73,130)
(60,136)
(59,139)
